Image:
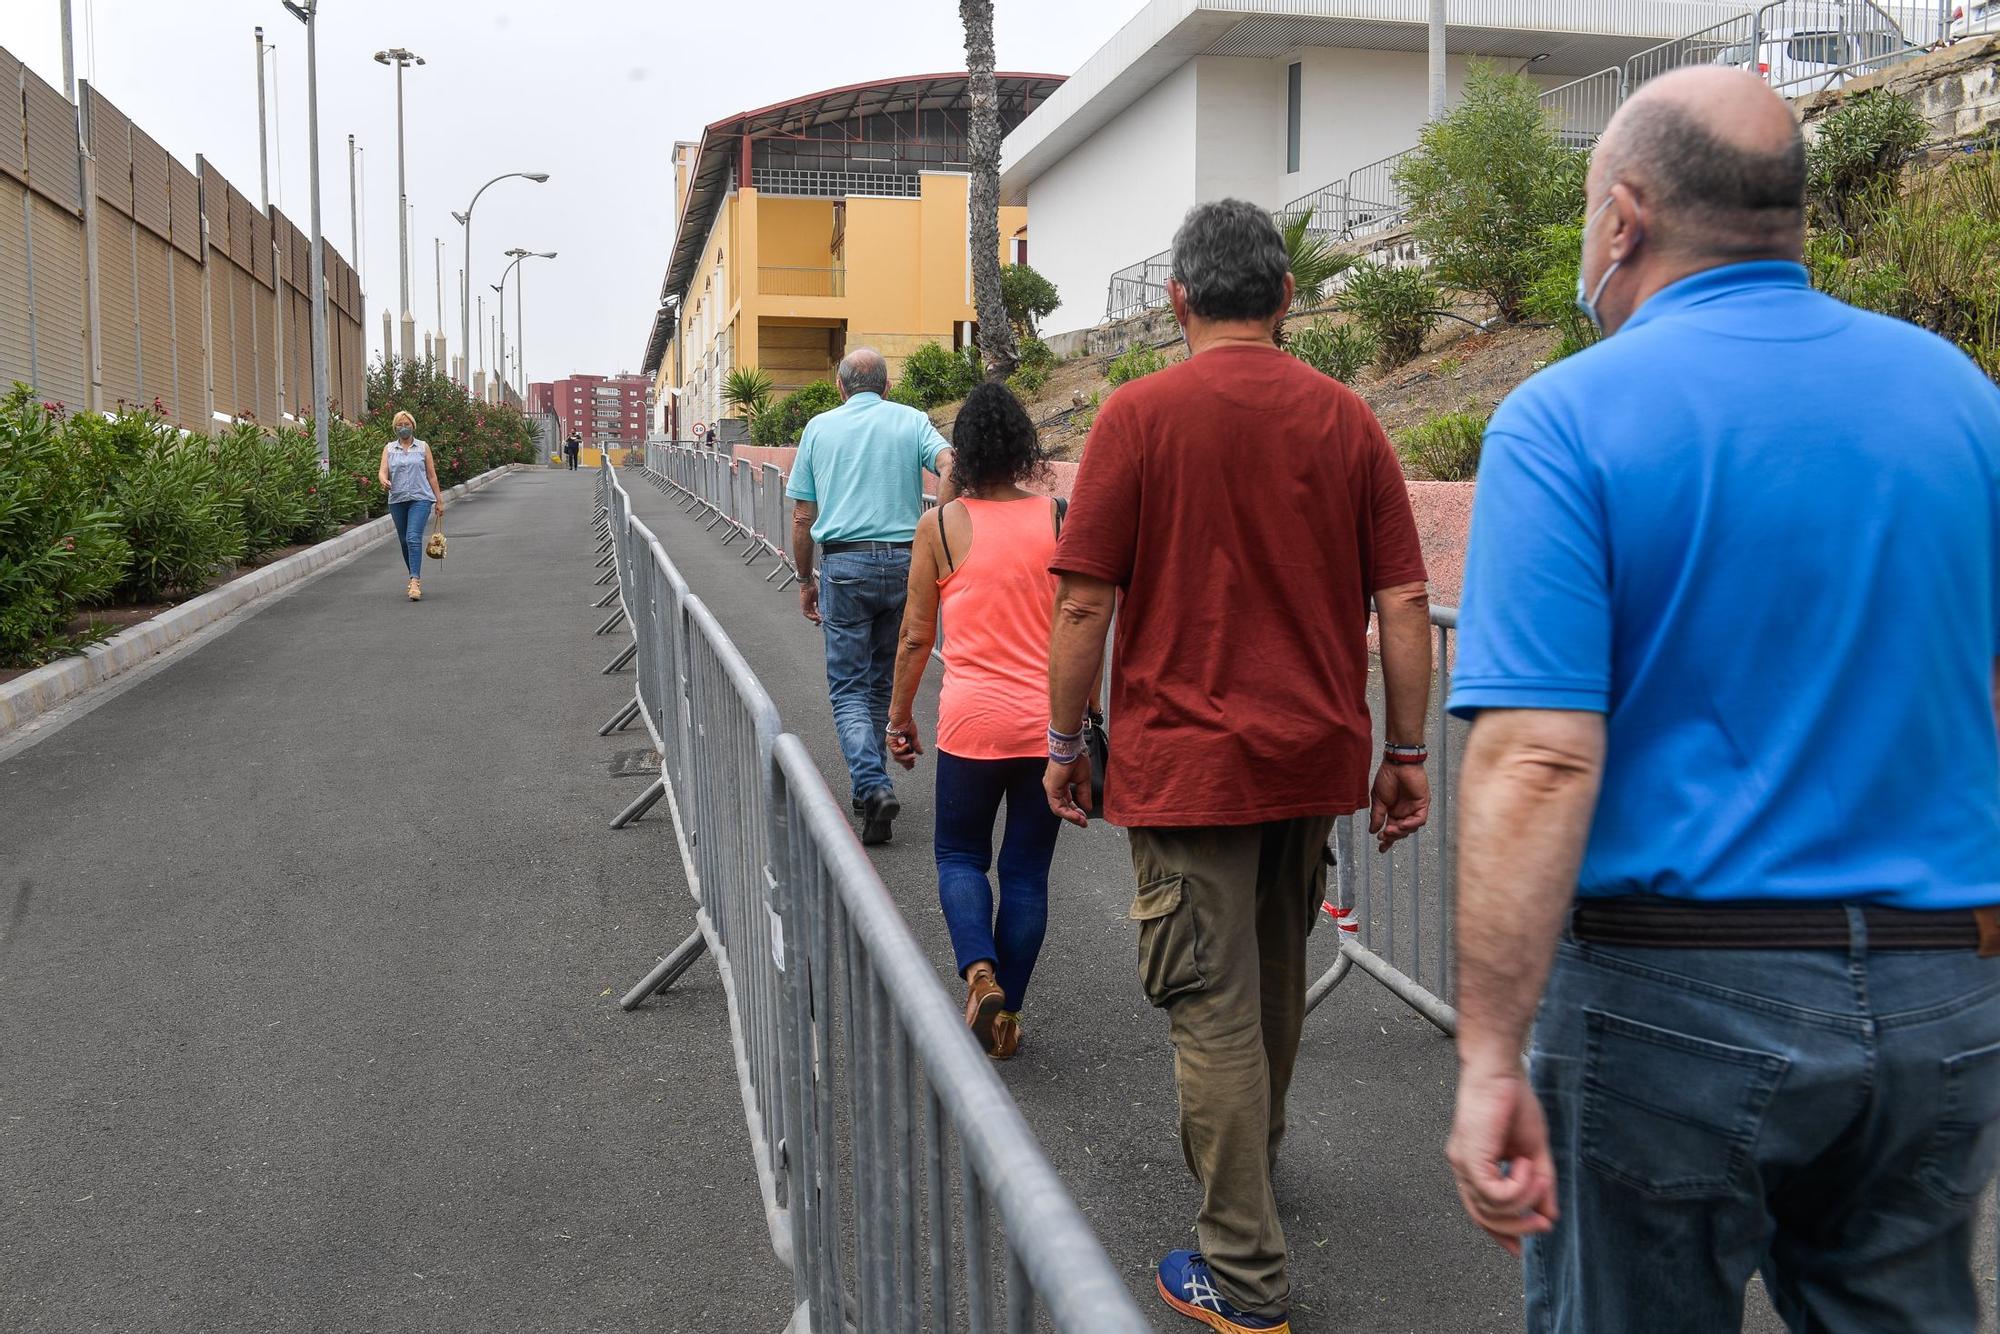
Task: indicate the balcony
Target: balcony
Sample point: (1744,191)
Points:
(834,184)
(782,280)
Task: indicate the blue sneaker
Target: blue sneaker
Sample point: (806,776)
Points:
(1187,1285)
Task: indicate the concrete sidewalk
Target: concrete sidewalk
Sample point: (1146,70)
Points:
(310,950)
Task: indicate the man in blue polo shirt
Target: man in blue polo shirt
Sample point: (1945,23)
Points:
(1732,791)
(857,491)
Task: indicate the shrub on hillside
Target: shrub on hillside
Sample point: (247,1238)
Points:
(1027,295)
(932,375)
(1134,363)
(1445,446)
(784,421)
(1929,254)
(60,547)
(1484,180)
(1338,350)
(1312,258)
(1397,306)
(1552,296)
(1859,151)
(1036,365)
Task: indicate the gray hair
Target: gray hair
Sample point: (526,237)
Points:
(863,371)
(1231,261)
(1717,197)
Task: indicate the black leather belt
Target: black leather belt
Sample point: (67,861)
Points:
(1655,923)
(836,548)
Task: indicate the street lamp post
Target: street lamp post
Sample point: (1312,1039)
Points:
(307,12)
(402,59)
(465,221)
(520,338)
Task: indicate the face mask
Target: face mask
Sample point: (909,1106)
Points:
(1586,301)
(405,432)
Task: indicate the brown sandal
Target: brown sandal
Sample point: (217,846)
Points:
(983,1003)
(1006,1036)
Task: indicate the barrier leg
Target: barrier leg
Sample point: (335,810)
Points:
(607,599)
(612,623)
(607,560)
(621,719)
(1327,981)
(666,972)
(604,546)
(644,802)
(625,655)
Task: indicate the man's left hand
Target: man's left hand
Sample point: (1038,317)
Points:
(809,600)
(1068,787)
(1499,1154)
(1400,803)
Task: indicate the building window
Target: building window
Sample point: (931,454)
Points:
(1294,77)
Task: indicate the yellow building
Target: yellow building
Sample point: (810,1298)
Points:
(822,224)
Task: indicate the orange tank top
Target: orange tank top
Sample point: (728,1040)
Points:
(997,606)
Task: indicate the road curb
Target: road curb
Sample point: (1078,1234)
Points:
(27,697)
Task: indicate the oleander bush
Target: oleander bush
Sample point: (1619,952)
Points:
(179,517)
(932,376)
(1133,364)
(1859,151)
(1398,306)
(785,421)
(1338,350)
(61,546)
(1036,365)
(467,437)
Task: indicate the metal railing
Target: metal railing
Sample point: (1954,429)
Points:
(786,280)
(894,1167)
(1139,287)
(1394,909)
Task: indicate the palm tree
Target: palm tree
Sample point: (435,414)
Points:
(996,333)
(1315,263)
(748,390)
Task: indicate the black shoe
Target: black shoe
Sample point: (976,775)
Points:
(878,814)
(860,807)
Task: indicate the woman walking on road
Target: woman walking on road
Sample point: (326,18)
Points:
(984,559)
(409,475)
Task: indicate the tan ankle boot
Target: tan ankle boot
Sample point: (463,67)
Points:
(983,1003)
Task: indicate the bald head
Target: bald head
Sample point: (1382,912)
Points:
(1718,160)
(863,371)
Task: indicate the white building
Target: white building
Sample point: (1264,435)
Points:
(1272,100)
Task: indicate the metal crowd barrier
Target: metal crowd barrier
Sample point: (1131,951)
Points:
(1394,910)
(900,1183)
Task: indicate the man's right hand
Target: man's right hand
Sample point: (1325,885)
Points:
(809,600)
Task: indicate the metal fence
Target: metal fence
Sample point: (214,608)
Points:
(128,279)
(1139,287)
(900,1182)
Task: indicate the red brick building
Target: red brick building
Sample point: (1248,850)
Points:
(613,410)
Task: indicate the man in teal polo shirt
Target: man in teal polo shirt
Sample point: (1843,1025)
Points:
(857,489)
(1729,637)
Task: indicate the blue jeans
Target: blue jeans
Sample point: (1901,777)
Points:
(1826,1117)
(861,610)
(410,518)
(969,793)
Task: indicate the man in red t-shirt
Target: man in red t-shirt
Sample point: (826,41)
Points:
(1240,510)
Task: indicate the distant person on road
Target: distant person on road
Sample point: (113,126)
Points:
(709,439)
(983,558)
(1732,791)
(857,488)
(409,478)
(1248,508)
(573,449)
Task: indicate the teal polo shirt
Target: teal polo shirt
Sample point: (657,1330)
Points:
(863,465)
(1759,531)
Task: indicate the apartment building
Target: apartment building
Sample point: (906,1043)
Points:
(614,411)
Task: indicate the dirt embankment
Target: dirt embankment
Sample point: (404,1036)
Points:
(1461,369)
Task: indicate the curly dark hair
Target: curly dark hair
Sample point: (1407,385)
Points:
(993,442)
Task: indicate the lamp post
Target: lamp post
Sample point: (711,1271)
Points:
(307,12)
(520,337)
(465,221)
(402,59)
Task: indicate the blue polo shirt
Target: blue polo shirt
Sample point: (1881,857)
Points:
(863,465)
(1759,531)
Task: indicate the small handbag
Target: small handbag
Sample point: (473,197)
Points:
(434,548)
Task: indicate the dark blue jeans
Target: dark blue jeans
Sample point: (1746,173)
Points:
(410,518)
(1826,1117)
(861,610)
(969,795)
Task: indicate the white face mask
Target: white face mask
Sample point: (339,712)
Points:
(1586,301)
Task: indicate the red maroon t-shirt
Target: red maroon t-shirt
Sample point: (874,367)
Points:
(1247,506)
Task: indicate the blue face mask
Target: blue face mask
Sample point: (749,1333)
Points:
(405,432)
(1586,301)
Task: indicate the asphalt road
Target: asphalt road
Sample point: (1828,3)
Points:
(310,951)
(1377,1238)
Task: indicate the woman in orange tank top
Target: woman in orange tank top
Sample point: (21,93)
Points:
(983,560)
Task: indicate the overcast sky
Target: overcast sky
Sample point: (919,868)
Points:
(592,91)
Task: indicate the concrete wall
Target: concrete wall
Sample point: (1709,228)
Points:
(1115,200)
